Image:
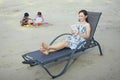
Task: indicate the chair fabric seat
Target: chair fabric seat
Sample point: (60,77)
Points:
(44,59)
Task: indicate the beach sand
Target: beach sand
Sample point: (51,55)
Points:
(16,40)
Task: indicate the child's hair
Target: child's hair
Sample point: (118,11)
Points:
(26,14)
(39,14)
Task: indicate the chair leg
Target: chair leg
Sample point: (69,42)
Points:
(61,73)
(100,50)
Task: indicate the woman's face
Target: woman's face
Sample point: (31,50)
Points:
(82,17)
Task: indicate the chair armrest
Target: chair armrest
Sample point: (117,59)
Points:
(59,37)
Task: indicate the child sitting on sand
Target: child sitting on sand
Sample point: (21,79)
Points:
(25,20)
(39,19)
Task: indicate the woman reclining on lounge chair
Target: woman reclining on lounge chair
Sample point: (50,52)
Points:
(80,32)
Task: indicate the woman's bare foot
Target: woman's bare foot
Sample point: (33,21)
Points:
(42,49)
(45,52)
(45,46)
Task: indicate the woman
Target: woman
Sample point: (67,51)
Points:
(80,32)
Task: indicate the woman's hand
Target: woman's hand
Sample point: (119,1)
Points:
(75,32)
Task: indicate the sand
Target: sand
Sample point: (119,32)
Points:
(16,40)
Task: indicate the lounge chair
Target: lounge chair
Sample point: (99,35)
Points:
(38,58)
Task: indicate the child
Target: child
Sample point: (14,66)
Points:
(39,19)
(25,20)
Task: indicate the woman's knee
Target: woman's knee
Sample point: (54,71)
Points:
(65,44)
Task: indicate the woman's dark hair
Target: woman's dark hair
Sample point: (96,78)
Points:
(26,14)
(39,13)
(84,12)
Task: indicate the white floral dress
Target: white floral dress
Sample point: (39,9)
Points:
(74,40)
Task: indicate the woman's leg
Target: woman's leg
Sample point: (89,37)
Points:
(58,46)
(53,48)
